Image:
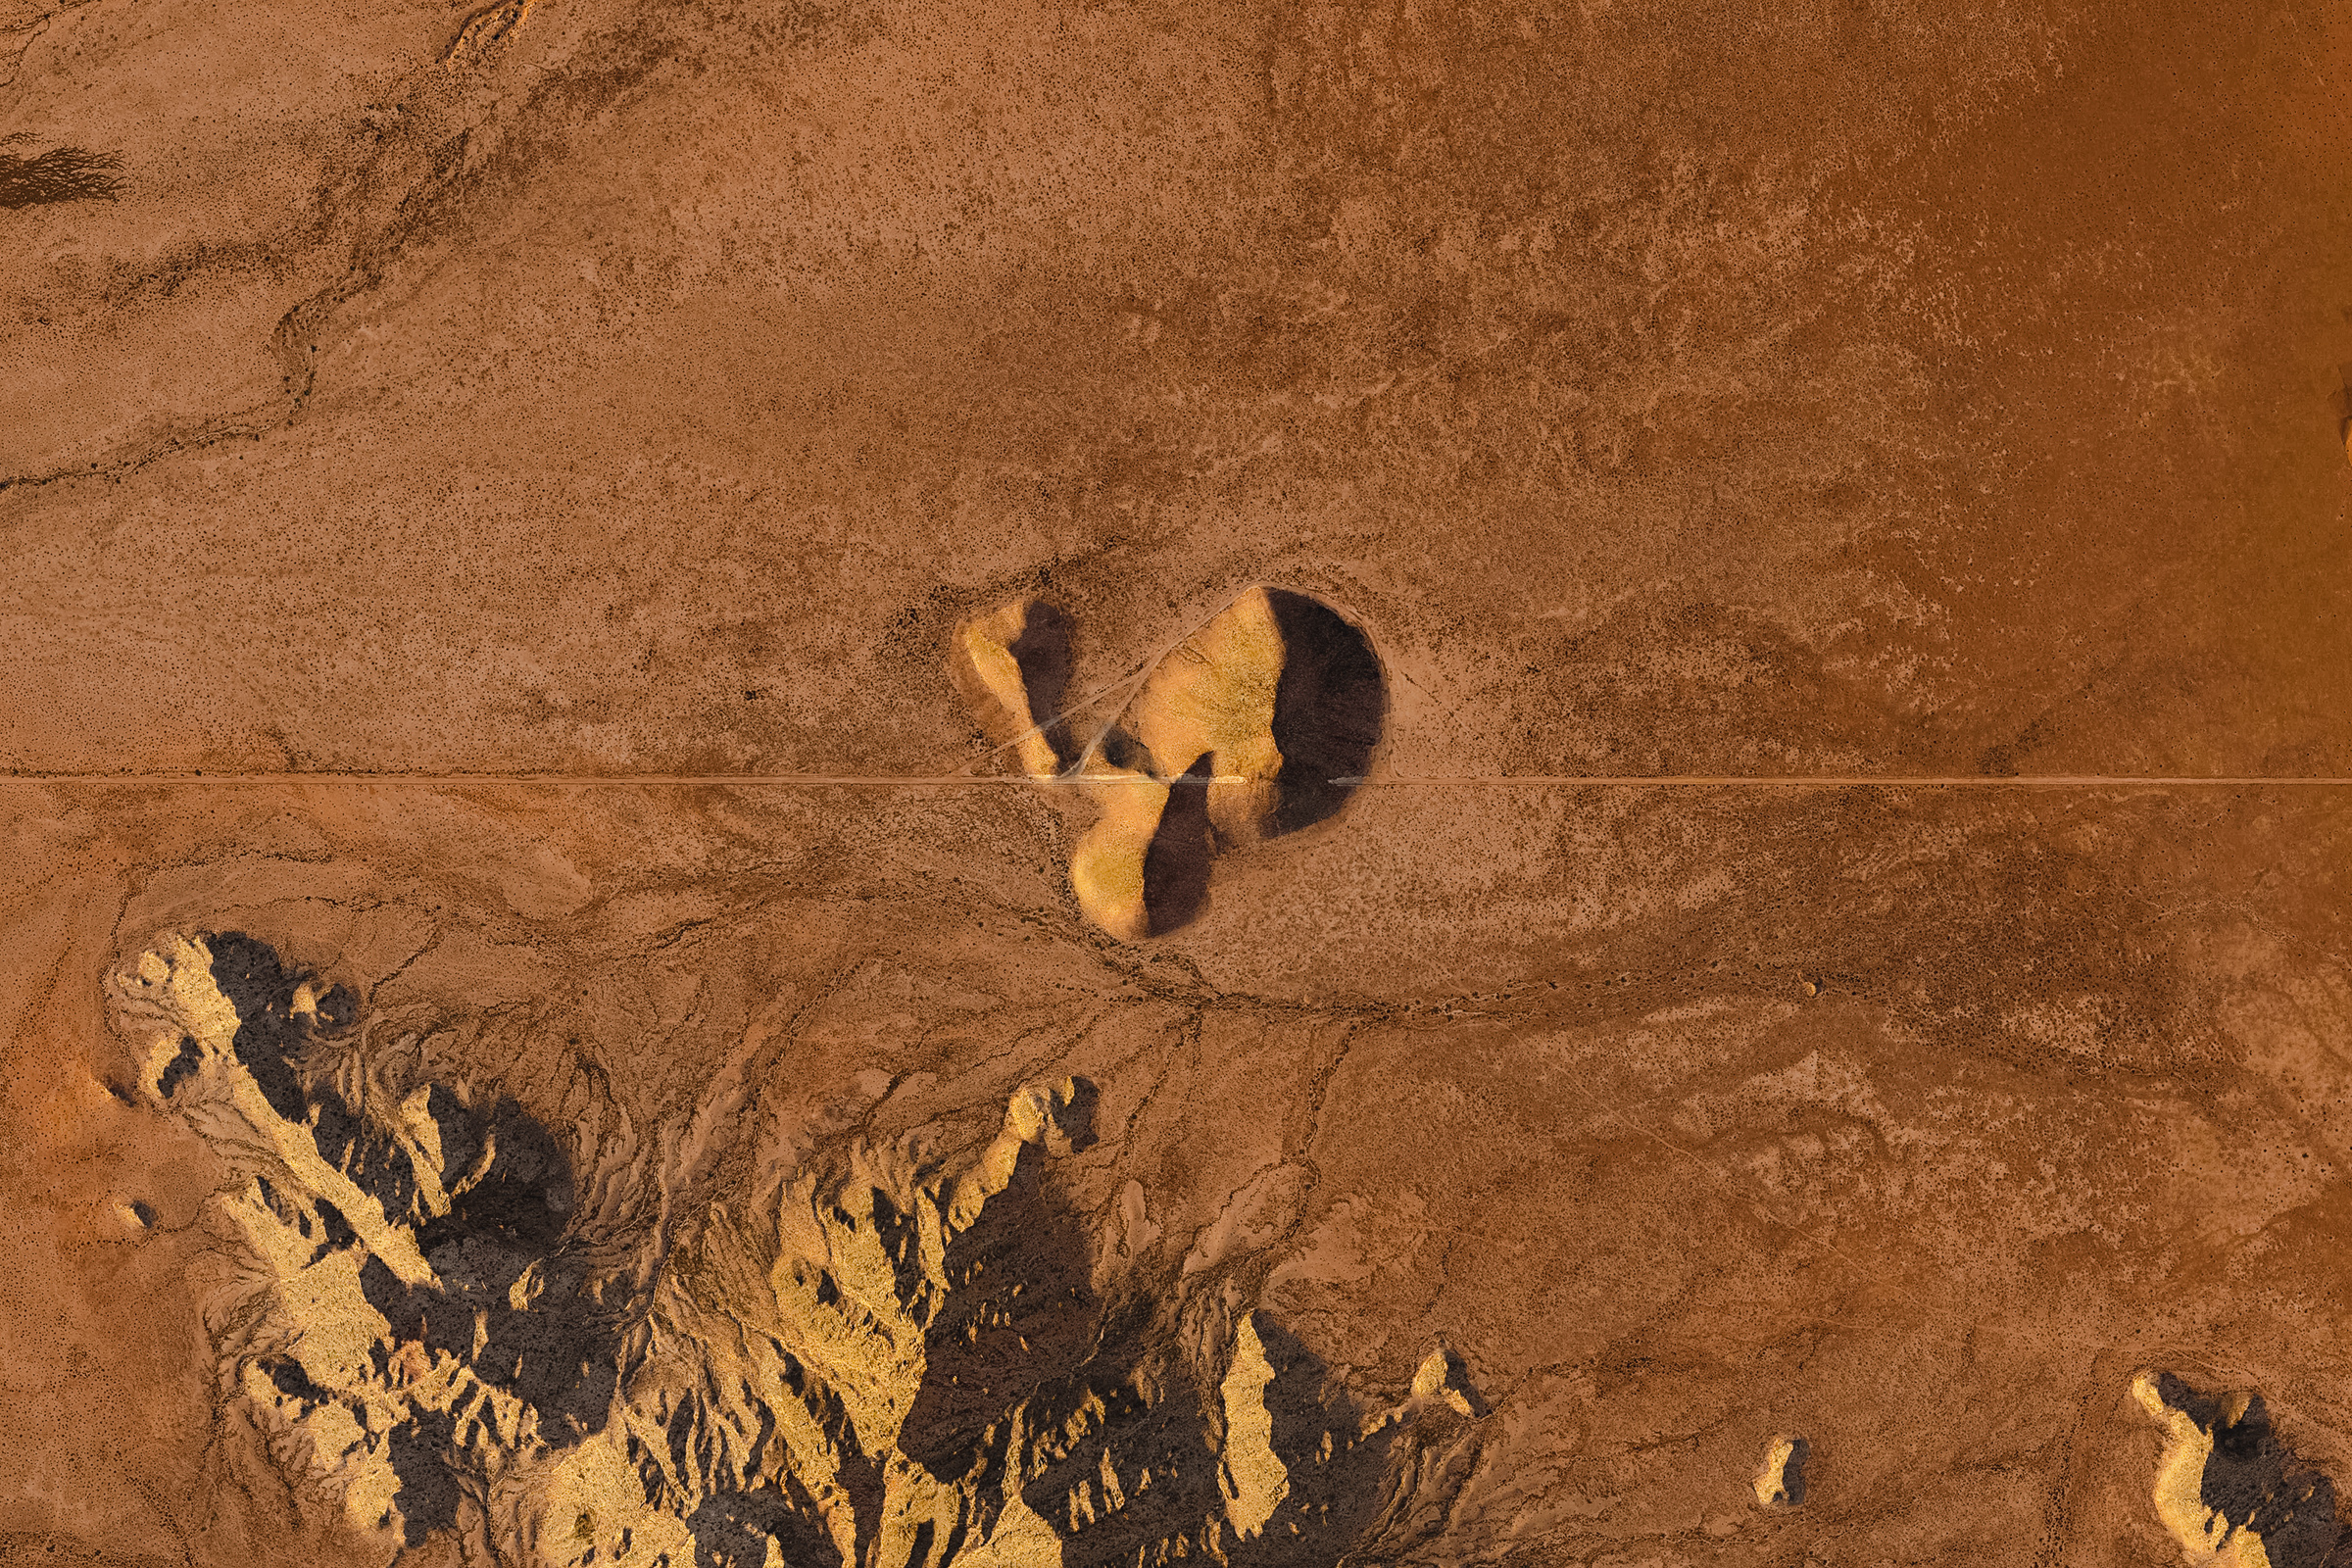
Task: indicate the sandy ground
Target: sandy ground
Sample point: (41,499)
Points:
(1834,391)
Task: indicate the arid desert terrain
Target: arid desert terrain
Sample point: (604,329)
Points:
(872,785)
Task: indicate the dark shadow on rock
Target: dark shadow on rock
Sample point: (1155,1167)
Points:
(1121,749)
(1105,1428)
(1112,1444)
(287,1376)
(429,1492)
(509,1216)
(1457,1377)
(1020,1312)
(1784,1488)
(1177,860)
(1105,1418)
(1077,1120)
(1164,1463)
(1043,652)
(1333,1501)
(2256,1482)
(272,1038)
(1166,1438)
(1329,705)
(733,1530)
(512,1195)
(273,1042)
(373,1160)
(177,1070)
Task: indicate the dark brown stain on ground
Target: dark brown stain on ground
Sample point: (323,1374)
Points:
(56,175)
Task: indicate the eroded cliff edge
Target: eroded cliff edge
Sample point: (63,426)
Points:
(599,1342)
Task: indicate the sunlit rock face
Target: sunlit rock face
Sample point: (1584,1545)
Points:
(2230,1494)
(1260,722)
(599,1342)
(1780,1479)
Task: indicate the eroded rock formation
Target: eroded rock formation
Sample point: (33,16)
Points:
(1780,1479)
(1259,723)
(2228,1492)
(599,1342)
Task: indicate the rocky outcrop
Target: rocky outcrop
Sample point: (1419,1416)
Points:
(587,1344)
(1780,1479)
(1261,723)
(2229,1492)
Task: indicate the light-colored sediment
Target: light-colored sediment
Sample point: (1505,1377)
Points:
(1213,695)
